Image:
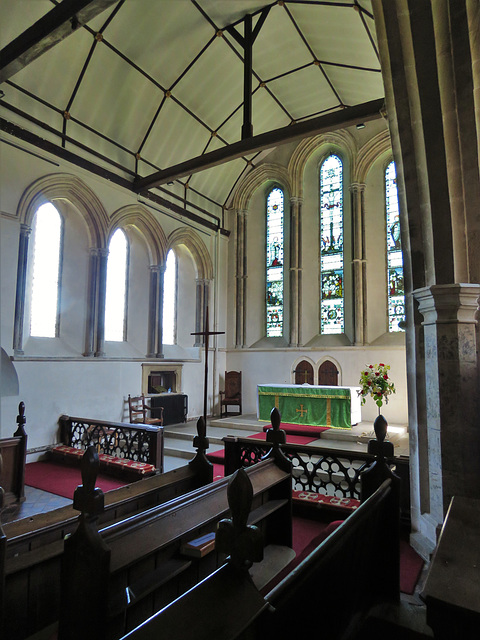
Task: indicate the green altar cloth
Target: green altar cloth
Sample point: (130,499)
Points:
(324,407)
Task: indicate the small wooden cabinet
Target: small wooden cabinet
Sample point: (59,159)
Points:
(175,407)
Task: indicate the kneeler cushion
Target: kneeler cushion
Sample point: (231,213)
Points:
(319,499)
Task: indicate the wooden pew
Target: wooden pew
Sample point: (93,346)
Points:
(328,594)
(34,545)
(124,572)
(13,451)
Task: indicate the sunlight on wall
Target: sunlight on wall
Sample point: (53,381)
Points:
(115,298)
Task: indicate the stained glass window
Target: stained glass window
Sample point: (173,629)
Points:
(274,266)
(47,231)
(331,246)
(116,295)
(396,291)
(169,298)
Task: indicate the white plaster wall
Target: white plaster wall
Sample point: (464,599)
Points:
(55,378)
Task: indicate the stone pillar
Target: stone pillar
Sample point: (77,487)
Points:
(102,288)
(153,309)
(21,289)
(451,388)
(296,271)
(359,263)
(159,311)
(240,276)
(91,302)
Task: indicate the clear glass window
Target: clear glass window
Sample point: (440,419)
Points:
(116,293)
(47,234)
(169,298)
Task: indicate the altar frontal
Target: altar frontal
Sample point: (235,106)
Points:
(334,407)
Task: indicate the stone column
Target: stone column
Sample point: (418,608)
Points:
(153,309)
(159,311)
(93,264)
(21,289)
(451,387)
(201,301)
(359,263)
(241,275)
(102,288)
(296,271)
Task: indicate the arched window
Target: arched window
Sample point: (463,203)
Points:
(331,246)
(44,310)
(169,298)
(396,291)
(116,294)
(274,263)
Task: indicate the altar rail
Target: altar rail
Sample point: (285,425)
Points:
(319,470)
(137,442)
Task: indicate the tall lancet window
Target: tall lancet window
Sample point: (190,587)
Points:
(331,246)
(274,265)
(47,234)
(169,298)
(396,291)
(116,295)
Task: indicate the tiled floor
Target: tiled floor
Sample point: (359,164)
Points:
(36,501)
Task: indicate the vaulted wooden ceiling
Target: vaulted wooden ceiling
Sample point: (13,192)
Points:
(179,99)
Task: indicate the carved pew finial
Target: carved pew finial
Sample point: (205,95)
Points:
(241,542)
(277,437)
(21,420)
(87,498)
(202,466)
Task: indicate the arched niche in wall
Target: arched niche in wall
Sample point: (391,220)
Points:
(328,372)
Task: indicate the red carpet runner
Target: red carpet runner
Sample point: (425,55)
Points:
(62,480)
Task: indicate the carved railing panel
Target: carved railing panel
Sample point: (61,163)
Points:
(139,443)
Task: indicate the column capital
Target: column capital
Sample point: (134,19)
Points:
(25,230)
(448,303)
(357,187)
(296,199)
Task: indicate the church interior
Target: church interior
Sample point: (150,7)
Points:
(200,197)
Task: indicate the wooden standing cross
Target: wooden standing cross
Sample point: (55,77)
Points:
(206,333)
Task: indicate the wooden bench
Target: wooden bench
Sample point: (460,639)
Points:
(129,451)
(123,573)
(328,594)
(13,451)
(33,547)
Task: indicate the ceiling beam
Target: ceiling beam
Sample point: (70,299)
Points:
(349,116)
(52,28)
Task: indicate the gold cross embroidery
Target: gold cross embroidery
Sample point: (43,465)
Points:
(301,411)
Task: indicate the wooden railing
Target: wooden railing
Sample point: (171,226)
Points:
(319,470)
(138,442)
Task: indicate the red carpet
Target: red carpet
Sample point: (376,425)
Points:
(300,429)
(62,480)
(218,457)
(411,565)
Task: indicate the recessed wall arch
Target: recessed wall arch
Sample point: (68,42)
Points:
(298,362)
(64,186)
(323,360)
(370,152)
(197,248)
(267,172)
(137,216)
(304,150)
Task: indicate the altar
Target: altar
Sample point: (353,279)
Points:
(334,407)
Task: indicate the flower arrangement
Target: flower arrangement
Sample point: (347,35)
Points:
(374,381)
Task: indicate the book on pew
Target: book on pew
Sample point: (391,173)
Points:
(199,547)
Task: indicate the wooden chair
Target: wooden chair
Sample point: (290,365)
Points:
(232,394)
(139,409)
